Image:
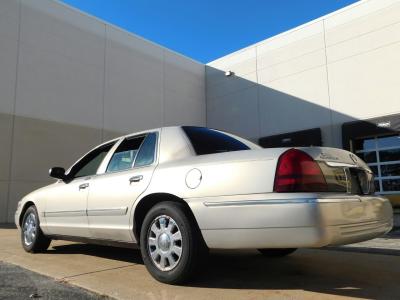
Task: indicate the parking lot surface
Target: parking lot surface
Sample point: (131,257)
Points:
(307,274)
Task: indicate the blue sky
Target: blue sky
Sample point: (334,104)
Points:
(207,29)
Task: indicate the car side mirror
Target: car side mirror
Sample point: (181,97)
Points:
(57,172)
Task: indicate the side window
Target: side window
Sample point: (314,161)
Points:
(147,151)
(124,156)
(89,164)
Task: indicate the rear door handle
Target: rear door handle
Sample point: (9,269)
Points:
(136,178)
(83,186)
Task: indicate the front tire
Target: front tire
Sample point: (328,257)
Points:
(32,238)
(277,252)
(170,243)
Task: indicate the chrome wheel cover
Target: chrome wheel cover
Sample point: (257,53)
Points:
(30,229)
(164,243)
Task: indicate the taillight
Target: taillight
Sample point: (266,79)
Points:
(296,171)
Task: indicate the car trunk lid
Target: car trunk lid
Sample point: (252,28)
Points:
(343,170)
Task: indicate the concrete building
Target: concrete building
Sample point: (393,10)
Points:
(69,81)
(335,79)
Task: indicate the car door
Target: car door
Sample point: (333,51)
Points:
(66,202)
(114,190)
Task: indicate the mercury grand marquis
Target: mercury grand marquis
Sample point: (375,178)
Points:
(177,192)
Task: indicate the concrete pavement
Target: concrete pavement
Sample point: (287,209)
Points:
(307,274)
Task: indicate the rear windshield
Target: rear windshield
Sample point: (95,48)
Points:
(208,141)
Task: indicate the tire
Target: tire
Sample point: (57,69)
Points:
(277,252)
(170,242)
(32,238)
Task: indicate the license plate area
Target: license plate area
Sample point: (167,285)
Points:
(359,182)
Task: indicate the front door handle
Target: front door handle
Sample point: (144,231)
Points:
(136,178)
(83,186)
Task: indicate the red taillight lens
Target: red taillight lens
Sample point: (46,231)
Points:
(298,172)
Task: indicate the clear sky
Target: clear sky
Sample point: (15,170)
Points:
(207,29)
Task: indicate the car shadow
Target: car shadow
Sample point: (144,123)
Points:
(368,250)
(326,272)
(7,226)
(114,253)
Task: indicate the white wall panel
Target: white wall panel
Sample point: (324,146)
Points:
(366,85)
(183,75)
(360,18)
(134,84)
(292,45)
(243,60)
(294,103)
(293,66)
(366,42)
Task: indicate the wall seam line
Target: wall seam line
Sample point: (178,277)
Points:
(104,83)
(328,87)
(258,96)
(13,112)
(205,95)
(163,97)
(364,52)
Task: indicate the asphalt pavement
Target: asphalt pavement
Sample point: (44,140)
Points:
(20,284)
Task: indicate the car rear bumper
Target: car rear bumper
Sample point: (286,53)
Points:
(265,221)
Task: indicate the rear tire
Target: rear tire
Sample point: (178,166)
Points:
(170,243)
(32,238)
(277,252)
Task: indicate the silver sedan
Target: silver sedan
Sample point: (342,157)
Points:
(178,191)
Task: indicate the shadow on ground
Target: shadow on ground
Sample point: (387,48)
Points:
(326,272)
(114,253)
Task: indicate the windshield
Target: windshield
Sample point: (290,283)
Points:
(209,141)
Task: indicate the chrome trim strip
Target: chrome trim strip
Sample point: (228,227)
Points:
(71,213)
(119,211)
(277,201)
(339,164)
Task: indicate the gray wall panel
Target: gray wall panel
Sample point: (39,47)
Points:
(8,53)
(60,73)
(6,124)
(39,145)
(3,201)
(236,113)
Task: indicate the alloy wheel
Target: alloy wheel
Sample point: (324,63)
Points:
(164,243)
(30,229)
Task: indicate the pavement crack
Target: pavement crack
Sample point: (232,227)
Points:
(93,272)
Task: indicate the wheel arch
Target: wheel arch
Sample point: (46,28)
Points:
(149,201)
(27,204)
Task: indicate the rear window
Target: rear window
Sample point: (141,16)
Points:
(208,141)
